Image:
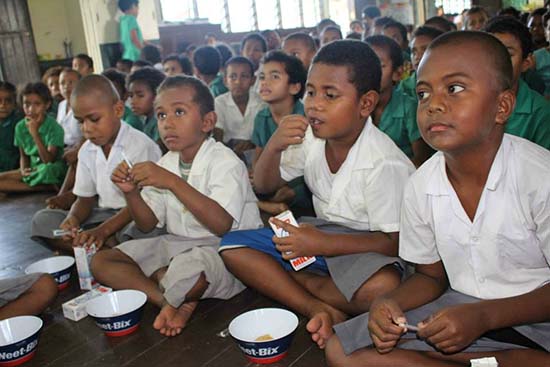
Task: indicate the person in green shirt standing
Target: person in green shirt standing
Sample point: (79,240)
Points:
(531,117)
(40,141)
(395,113)
(9,116)
(130,33)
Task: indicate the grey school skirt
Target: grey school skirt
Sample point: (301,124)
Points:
(354,333)
(11,288)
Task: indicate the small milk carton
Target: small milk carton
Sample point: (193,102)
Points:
(83,257)
(484,362)
(75,309)
(287,217)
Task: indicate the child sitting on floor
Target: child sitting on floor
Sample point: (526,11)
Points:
(26,295)
(200,191)
(9,117)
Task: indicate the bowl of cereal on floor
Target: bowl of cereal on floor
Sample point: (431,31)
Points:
(117,313)
(264,335)
(59,267)
(18,339)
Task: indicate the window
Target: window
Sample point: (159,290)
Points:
(453,6)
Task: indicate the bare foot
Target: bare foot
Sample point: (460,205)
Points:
(62,201)
(170,321)
(271,207)
(320,325)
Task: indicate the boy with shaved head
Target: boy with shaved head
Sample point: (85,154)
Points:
(98,109)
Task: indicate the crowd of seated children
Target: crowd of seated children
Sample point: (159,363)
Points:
(356,175)
(142,90)
(99,208)
(282,84)
(199,190)
(236,110)
(395,112)
(480,286)
(39,139)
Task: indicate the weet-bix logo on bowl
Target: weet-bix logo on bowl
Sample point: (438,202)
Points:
(120,325)
(18,339)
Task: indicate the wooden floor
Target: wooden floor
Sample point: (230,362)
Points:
(67,343)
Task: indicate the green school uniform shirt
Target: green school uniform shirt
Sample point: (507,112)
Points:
(127,24)
(265,126)
(9,153)
(398,121)
(131,119)
(408,86)
(51,134)
(531,117)
(150,128)
(217,87)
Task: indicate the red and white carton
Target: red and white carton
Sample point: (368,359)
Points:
(75,309)
(297,263)
(83,257)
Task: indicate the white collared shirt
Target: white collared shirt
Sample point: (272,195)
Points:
(217,173)
(93,171)
(230,118)
(365,193)
(70,125)
(505,250)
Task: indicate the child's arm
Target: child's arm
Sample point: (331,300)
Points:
(24,163)
(267,176)
(80,210)
(137,208)
(135,39)
(101,233)
(207,211)
(47,155)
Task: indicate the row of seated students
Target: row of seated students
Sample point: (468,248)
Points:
(472,221)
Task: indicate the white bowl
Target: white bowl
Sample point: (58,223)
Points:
(18,339)
(58,266)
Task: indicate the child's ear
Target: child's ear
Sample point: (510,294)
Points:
(119,109)
(397,74)
(294,88)
(506,104)
(527,63)
(368,102)
(209,121)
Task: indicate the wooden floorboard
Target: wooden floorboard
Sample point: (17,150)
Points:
(82,344)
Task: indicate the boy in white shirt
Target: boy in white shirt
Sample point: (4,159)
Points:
(356,175)
(98,109)
(200,191)
(237,108)
(475,218)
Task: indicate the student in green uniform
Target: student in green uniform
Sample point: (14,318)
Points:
(395,113)
(40,141)
(282,84)
(9,115)
(119,81)
(142,90)
(207,62)
(531,116)
(420,40)
(130,33)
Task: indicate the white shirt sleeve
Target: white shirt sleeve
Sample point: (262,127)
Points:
(293,159)
(219,107)
(85,181)
(154,198)
(416,237)
(541,215)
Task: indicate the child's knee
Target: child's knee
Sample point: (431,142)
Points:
(383,281)
(99,260)
(46,286)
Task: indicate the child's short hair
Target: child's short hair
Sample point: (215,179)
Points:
(87,59)
(333,28)
(151,53)
(240,60)
(39,88)
(476,10)
(427,31)
(225,52)
(9,88)
(305,38)
(68,70)
(390,46)
(97,85)
(323,23)
(293,67)
(441,23)
(185,63)
(354,36)
(256,37)
(400,27)
(203,98)
(54,71)
(513,27)
(538,11)
(142,63)
(148,75)
(117,78)
(126,62)
(383,21)
(371,12)
(207,60)
(492,47)
(124,5)
(510,11)
(363,66)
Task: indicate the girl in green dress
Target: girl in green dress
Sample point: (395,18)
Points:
(40,141)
